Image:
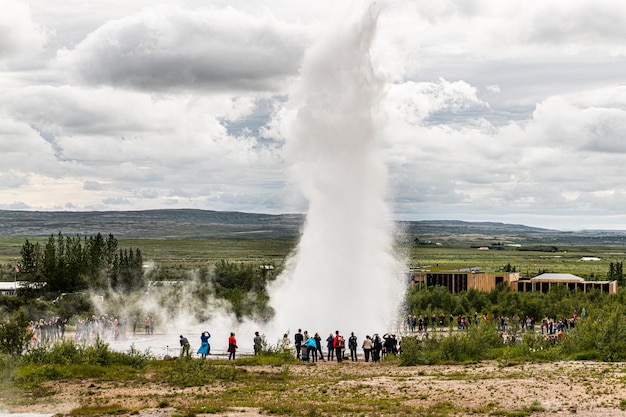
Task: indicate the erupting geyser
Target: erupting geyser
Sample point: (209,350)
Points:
(344,274)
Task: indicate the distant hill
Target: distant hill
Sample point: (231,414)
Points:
(205,224)
(164,224)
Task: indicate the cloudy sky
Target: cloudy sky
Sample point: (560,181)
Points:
(495,111)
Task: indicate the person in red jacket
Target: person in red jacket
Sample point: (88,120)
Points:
(338,344)
(232,346)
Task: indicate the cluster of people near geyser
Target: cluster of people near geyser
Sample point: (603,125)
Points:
(103,327)
(47,330)
(309,348)
(306,347)
(551,327)
(423,322)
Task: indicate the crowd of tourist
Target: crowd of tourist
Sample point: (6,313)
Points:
(309,348)
(47,330)
(103,327)
(306,347)
(549,326)
(442,321)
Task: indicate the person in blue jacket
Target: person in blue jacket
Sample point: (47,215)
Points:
(205,347)
(311,349)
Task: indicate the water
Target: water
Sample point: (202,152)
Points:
(344,274)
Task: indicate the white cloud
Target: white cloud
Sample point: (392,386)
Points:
(495,110)
(170,47)
(19,35)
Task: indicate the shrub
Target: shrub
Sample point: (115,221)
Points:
(15,334)
(606,336)
(68,352)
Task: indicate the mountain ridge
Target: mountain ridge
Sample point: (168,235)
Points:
(199,224)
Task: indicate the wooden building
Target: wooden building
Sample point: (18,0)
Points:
(458,281)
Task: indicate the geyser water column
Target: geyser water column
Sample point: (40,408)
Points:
(344,274)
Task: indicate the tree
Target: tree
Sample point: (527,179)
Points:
(70,264)
(616,272)
(15,334)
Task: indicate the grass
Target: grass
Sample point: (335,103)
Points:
(567,260)
(298,389)
(188,254)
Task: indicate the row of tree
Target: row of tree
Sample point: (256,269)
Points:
(70,264)
(616,272)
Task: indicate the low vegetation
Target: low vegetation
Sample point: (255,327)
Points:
(84,380)
(105,382)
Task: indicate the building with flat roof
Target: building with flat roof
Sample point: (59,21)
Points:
(11,287)
(458,281)
(543,283)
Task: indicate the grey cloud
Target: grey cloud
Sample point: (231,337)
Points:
(80,111)
(606,132)
(92,186)
(150,194)
(116,201)
(12,179)
(586,23)
(17,205)
(170,47)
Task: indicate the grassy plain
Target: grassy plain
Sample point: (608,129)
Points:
(529,263)
(193,253)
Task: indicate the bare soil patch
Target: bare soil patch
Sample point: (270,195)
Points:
(483,389)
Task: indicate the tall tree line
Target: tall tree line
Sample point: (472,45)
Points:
(616,272)
(69,264)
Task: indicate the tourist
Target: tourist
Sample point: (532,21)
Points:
(205,347)
(184,343)
(367,347)
(285,343)
(376,348)
(318,346)
(232,346)
(352,344)
(330,345)
(298,338)
(311,349)
(338,344)
(258,342)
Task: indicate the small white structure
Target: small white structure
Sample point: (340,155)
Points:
(10,287)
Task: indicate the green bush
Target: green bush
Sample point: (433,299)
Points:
(99,353)
(14,334)
(605,335)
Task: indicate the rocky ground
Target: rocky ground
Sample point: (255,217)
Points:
(483,389)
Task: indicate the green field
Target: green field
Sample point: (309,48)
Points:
(529,263)
(194,253)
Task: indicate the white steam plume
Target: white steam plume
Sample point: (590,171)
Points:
(344,274)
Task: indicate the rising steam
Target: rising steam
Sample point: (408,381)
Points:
(343,274)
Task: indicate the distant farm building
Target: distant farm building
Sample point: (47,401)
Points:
(457,281)
(11,287)
(544,282)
